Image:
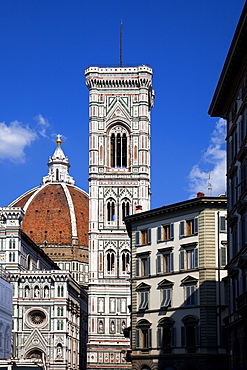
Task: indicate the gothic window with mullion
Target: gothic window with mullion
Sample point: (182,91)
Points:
(110,262)
(111,210)
(125,262)
(118,147)
(125,208)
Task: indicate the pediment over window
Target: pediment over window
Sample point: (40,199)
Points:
(189,245)
(143,286)
(165,284)
(167,321)
(165,250)
(189,280)
(142,323)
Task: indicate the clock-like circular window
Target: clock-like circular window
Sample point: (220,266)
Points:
(36,317)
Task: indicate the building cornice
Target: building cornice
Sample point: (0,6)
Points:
(232,70)
(202,202)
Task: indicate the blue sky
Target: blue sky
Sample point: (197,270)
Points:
(45,47)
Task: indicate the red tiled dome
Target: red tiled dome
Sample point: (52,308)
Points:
(55,213)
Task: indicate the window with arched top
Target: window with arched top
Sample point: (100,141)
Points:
(36,354)
(166,338)
(12,243)
(125,208)
(110,261)
(57,174)
(28,262)
(190,333)
(111,209)
(26,291)
(60,291)
(125,261)
(46,292)
(118,147)
(36,292)
(59,352)
(143,335)
(11,256)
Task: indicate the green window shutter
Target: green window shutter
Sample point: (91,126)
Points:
(192,297)
(158,264)
(223,256)
(171,231)
(148,266)
(138,337)
(188,295)
(159,337)
(171,262)
(181,229)
(137,237)
(159,232)
(196,257)
(146,300)
(196,225)
(222,224)
(181,261)
(198,335)
(137,267)
(149,235)
(150,338)
(183,336)
(173,337)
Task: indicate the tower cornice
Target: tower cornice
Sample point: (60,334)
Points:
(119,77)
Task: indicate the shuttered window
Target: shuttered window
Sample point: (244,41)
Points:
(190,295)
(222,224)
(143,300)
(223,256)
(166,297)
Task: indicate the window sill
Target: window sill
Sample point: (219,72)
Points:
(187,236)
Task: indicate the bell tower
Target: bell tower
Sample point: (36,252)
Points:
(120,101)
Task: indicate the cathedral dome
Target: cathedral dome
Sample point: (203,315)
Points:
(56,212)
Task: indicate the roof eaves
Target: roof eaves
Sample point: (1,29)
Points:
(236,57)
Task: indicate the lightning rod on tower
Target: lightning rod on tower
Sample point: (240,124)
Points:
(121,46)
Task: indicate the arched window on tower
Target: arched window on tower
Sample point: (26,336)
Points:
(125,261)
(118,148)
(110,210)
(110,262)
(57,174)
(125,208)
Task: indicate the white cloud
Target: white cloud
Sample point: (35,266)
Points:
(14,138)
(214,158)
(43,124)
